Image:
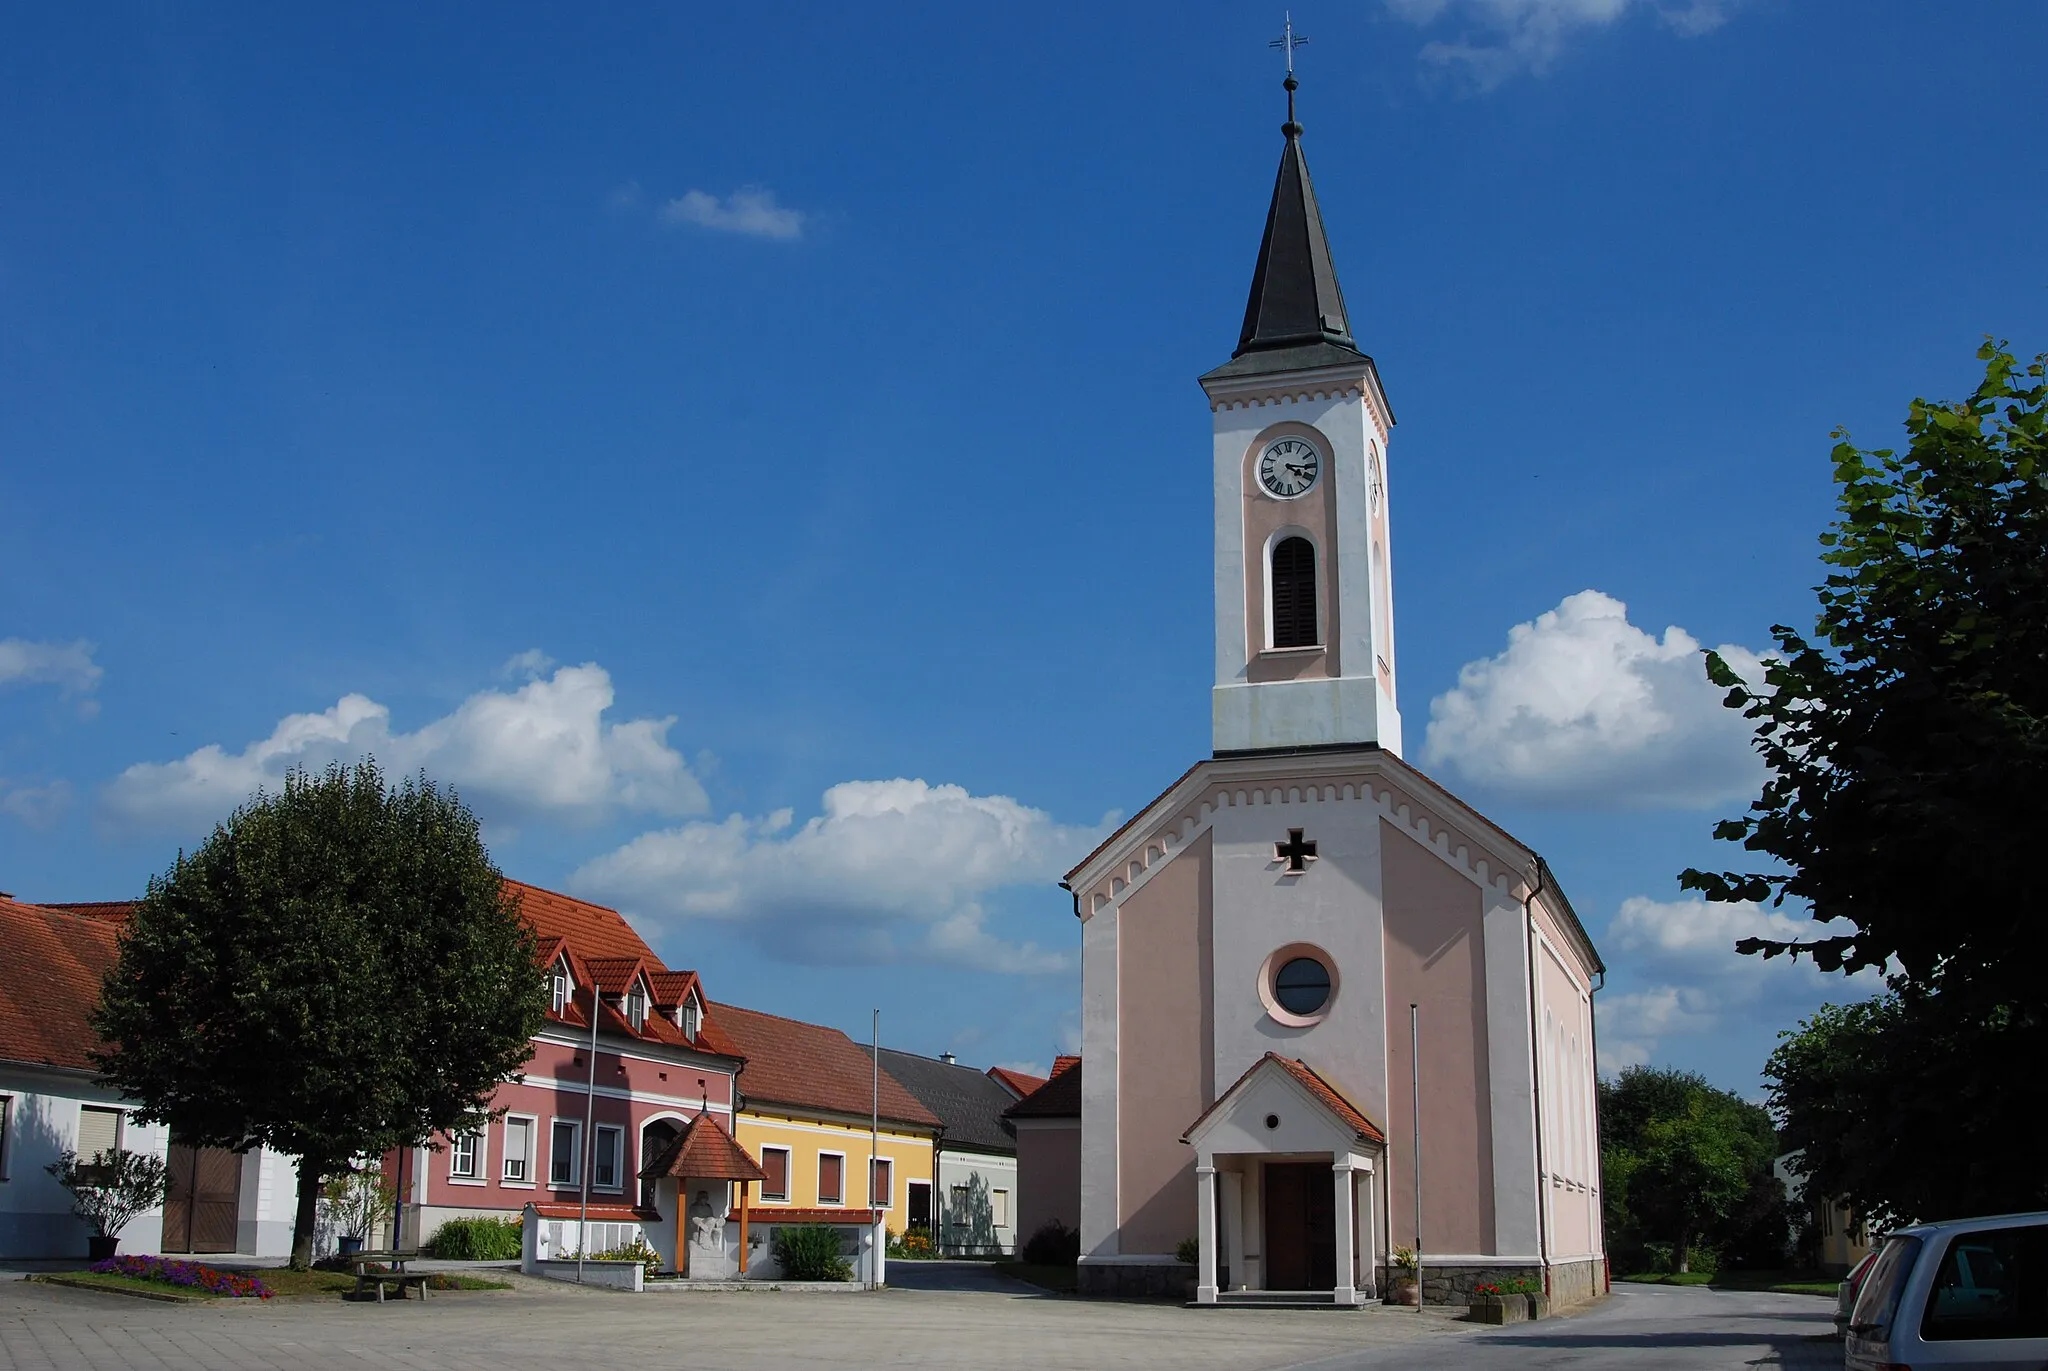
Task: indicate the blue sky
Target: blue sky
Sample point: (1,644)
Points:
(756,456)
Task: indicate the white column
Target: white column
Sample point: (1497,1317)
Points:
(1231,1187)
(1205,1234)
(1368,1233)
(1347,1218)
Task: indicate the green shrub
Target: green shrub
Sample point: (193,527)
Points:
(1189,1253)
(810,1252)
(1054,1244)
(478,1240)
(914,1244)
(634,1251)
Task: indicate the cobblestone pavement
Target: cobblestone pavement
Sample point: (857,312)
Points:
(547,1326)
(1640,1328)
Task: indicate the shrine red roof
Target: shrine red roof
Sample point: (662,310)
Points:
(704,1151)
(782,1213)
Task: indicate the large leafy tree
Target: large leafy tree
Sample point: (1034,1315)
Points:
(337,971)
(1907,746)
(1686,1163)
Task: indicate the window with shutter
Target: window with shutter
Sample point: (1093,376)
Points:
(518,1148)
(99,1130)
(775,1162)
(1294,593)
(882,1184)
(831,1178)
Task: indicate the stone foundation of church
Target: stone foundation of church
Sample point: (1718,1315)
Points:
(1576,1282)
(1135,1280)
(1453,1284)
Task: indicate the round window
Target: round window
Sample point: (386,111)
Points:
(1302,986)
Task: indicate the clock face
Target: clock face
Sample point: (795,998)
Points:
(1289,467)
(1374,483)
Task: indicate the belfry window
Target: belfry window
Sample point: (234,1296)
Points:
(1294,593)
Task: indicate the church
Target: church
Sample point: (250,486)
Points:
(1330,1012)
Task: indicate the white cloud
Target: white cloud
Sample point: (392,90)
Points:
(889,871)
(1693,981)
(544,748)
(1583,709)
(67,665)
(1499,39)
(750,210)
(36,806)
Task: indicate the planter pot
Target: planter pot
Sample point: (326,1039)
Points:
(348,1247)
(98,1249)
(1499,1309)
(1406,1291)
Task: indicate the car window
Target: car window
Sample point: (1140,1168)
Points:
(1880,1297)
(1991,1284)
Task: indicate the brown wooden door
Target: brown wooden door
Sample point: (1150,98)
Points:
(202,1209)
(1301,1226)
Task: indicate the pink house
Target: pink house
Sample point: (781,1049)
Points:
(660,1059)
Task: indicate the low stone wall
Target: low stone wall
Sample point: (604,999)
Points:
(1136,1280)
(1576,1282)
(617,1275)
(1454,1284)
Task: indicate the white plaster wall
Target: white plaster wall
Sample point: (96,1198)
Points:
(35,1212)
(1516,1223)
(1099,1066)
(269,1204)
(1357,707)
(1335,905)
(992,1172)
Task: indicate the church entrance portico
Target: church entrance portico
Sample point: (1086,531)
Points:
(1285,1173)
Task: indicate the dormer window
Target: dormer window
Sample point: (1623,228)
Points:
(687,1019)
(636,1007)
(558,990)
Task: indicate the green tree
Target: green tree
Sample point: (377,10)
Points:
(1907,749)
(338,970)
(1684,1162)
(1907,741)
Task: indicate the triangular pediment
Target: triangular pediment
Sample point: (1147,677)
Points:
(1282,1104)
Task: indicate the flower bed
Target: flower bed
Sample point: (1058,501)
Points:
(184,1275)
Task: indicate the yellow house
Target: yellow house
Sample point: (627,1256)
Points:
(806,1106)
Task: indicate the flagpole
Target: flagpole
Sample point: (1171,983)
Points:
(1415,1088)
(875,1143)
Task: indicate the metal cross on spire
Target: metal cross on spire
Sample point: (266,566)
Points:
(1289,40)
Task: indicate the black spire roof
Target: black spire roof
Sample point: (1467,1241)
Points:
(1295,302)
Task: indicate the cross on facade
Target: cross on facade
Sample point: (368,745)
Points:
(1289,41)
(1296,853)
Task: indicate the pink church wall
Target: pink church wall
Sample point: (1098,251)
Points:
(1435,957)
(1049,1173)
(1165,961)
(1570,1138)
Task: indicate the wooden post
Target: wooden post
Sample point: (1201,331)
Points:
(743,1226)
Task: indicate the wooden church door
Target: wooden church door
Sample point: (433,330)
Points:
(1301,1226)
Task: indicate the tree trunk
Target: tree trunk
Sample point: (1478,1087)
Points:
(311,1173)
(1681,1252)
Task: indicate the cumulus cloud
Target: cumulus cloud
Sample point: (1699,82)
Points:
(544,748)
(1585,710)
(68,666)
(889,871)
(751,211)
(1499,39)
(38,806)
(1693,981)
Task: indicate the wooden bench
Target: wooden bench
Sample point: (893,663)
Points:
(396,1276)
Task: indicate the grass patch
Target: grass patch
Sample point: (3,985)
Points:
(1775,1282)
(124,1285)
(1058,1279)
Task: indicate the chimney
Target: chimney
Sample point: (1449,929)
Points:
(949,1059)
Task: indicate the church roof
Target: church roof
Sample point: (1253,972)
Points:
(1295,300)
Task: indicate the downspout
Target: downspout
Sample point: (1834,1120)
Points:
(1077,897)
(1536,1083)
(1600,1157)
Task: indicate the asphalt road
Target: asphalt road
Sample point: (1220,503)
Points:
(1638,1328)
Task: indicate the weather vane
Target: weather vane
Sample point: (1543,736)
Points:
(1289,41)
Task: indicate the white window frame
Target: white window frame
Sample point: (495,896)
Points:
(618,1160)
(788,1176)
(839,1202)
(888,1200)
(574,1179)
(636,1006)
(692,1016)
(505,1176)
(560,988)
(479,1157)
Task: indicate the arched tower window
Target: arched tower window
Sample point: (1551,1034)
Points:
(1294,593)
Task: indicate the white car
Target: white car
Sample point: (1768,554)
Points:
(1969,1292)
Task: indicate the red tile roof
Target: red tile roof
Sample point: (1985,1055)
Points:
(592,929)
(704,1151)
(56,960)
(599,1213)
(1328,1095)
(1058,1098)
(1016,1082)
(113,911)
(809,1066)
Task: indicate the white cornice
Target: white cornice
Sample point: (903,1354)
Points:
(1349,380)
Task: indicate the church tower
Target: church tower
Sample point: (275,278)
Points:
(1304,591)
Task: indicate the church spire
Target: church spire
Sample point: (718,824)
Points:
(1295,299)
